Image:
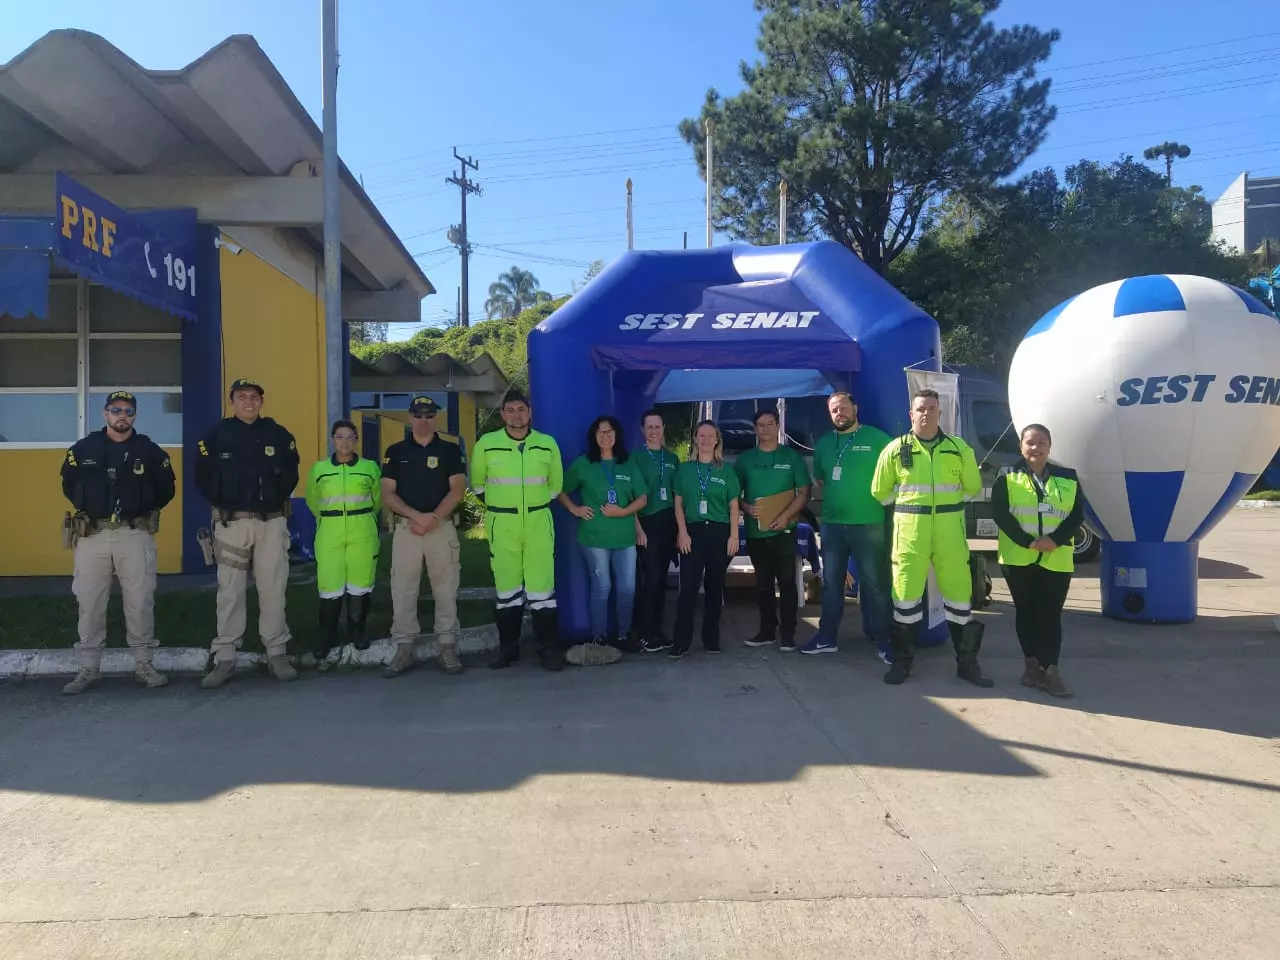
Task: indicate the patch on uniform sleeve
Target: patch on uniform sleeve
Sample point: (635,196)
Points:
(293,445)
(71,458)
(204,451)
(166,465)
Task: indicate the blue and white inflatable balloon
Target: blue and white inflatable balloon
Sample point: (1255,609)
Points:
(1164,393)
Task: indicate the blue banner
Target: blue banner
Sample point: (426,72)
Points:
(150,257)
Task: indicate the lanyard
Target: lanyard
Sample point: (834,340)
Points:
(842,448)
(703,480)
(659,463)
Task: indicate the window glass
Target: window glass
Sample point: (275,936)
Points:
(61,319)
(159,414)
(38,418)
(38,363)
(111,312)
(141,363)
(992,426)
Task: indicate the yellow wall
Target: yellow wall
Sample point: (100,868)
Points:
(467,420)
(34,531)
(272,332)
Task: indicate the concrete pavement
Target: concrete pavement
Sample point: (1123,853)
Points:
(746,806)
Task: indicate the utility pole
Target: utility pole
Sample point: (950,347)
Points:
(458,233)
(711,126)
(631,233)
(335,347)
(782,212)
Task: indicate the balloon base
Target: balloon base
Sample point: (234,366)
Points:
(1149,582)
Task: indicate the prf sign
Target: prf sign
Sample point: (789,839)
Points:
(150,257)
(96,233)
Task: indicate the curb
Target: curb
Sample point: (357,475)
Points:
(195,660)
(1258,504)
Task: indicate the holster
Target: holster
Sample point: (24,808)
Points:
(204,537)
(68,532)
(148,524)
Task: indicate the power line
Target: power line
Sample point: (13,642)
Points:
(1181,93)
(1252,39)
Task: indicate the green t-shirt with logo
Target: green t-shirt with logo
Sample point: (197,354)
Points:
(721,486)
(651,464)
(781,470)
(591,481)
(845,463)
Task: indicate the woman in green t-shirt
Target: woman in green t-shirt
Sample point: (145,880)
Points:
(707,492)
(612,493)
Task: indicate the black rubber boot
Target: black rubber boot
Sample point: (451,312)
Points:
(357,624)
(902,643)
(967,639)
(546,632)
(330,616)
(508,623)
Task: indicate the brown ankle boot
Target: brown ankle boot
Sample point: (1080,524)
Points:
(1053,684)
(1033,674)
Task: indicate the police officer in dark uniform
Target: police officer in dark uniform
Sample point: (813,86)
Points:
(118,480)
(247,468)
(423,481)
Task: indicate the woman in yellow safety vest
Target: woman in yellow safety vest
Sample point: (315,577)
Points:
(1038,507)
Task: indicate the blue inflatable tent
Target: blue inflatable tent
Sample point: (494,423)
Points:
(809,308)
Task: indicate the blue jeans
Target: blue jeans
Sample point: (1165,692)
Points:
(623,564)
(868,544)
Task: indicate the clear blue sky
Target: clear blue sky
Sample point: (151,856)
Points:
(560,101)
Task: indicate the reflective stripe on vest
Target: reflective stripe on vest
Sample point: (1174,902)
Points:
(1026,507)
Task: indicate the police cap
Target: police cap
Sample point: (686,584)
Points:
(246,384)
(122,396)
(424,405)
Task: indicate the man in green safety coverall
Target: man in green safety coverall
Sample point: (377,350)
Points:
(924,478)
(518,473)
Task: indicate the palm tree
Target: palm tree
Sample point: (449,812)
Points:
(513,291)
(1170,150)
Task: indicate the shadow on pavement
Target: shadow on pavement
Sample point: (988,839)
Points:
(743,717)
(1210,569)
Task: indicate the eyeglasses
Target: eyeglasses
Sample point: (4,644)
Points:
(423,416)
(604,432)
(121,411)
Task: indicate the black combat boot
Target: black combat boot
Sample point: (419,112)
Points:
(967,639)
(357,621)
(902,644)
(327,639)
(547,634)
(509,621)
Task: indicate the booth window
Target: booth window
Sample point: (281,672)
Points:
(55,374)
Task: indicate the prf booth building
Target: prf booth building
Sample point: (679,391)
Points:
(160,233)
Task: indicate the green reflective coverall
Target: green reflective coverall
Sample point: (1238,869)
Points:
(345,499)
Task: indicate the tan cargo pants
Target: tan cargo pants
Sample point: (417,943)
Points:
(439,551)
(263,547)
(131,556)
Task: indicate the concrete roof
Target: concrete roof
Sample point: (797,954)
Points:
(72,101)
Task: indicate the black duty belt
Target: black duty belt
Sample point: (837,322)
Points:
(924,508)
(358,512)
(541,506)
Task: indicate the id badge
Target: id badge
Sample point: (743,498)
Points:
(662,494)
(835,473)
(1045,508)
(613,497)
(702,507)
